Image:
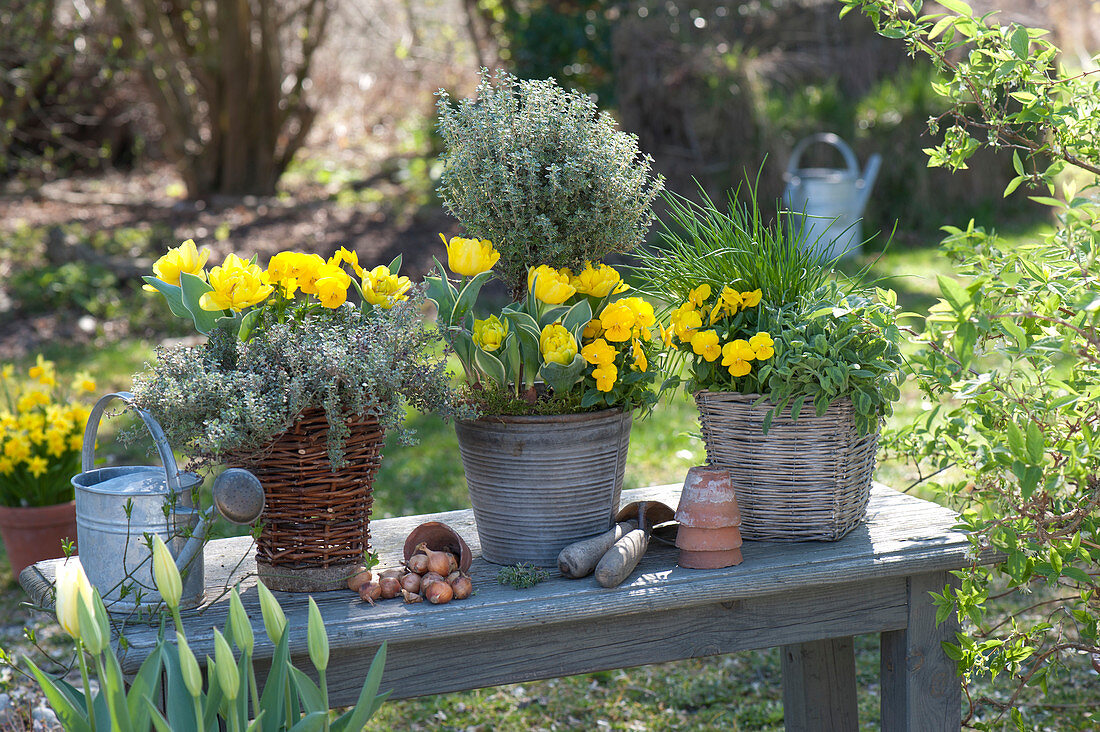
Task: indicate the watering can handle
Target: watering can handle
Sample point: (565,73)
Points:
(828,138)
(87,454)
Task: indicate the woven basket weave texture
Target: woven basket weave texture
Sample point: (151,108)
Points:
(316,517)
(803,481)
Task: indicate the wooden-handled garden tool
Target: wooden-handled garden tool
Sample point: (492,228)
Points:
(623,556)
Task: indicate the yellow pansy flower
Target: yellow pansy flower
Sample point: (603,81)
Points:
(185,258)
(699,295)
(640,361)
(751,299)
(605,376)
(618,322)
(490,333)
(306,268)
(593,330)
(599,353)
(705,343)
(685,319)
(762,345)
(598,280)
(557,345)
(343,254)
(666,335)
(237,285)
(332,285)
(549,285)
(736,356)
(643,312)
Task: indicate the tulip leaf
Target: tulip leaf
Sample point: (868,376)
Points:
(178,704)
(274,693)
(308,691)
(68,713)
(511,356)
(145,686)
(577,318)
(248,324)
(524,322)
(468,295)
(369,701)
(491,366)
(159,722)
(551,314)
(193,289)
(561,378)
(311,722)
(395,265)
(173,295)
(115,688)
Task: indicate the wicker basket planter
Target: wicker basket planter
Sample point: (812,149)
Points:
(540,483)
(803,481)
(316,524)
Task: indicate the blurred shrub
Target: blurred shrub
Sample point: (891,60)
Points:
(59,107)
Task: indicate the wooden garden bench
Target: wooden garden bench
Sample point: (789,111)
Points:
(809,598)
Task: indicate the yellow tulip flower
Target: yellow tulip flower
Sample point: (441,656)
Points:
(384,289)
(605,376)
(598,280)
(557,345)
(549,285)
(165,574)
(469,257)
(185,258)
(73,588)
(490,333)
(237,285)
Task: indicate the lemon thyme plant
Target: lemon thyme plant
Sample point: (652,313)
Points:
(285,339)
(41,434)
(759,312)
(580,334)
(542,173)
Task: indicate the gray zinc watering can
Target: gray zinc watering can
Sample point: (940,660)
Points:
(826,204)
(116,507)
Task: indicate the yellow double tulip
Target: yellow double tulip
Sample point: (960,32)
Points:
(598,280)
(549,285)
(384,289)
(237,285)
(490,333)
(185,258)
(557,345)
(469,257)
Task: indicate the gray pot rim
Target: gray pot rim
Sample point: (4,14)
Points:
(544,418)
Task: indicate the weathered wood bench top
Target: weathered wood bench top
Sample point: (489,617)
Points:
(781,594)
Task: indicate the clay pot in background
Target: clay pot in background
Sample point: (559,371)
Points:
(34,533)
(708,537)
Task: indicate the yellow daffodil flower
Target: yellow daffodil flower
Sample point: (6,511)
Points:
(557,345)
(237,285)
(640,361)
(605,376)
(183,259)
(37,466)
(599,353)
(549,285)
(489,334)
(699,295)
(84,382)
(598,280)
(736,356)
(705,343)
(618,321)
(762,345)
(469,257)
(43,372)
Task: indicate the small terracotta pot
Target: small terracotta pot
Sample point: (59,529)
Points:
(439,537)
(707,500)
(708,540)
(34,533)
(709,560)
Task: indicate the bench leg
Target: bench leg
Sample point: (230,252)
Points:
(921,690)
(819,686)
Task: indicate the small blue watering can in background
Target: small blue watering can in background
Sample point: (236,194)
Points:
(826,204)
(116,507)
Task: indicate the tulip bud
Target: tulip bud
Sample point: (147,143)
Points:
(318,639)
(90,632)
(72,587)
(165,574)
(189,666)
(274,619)
(225,667)
(240,624)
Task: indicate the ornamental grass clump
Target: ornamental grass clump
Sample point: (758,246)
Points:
(755,310)
(542,173)
(546,187)
(41,434)
(286,339)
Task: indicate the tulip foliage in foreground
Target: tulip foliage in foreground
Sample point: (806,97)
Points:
(229,695)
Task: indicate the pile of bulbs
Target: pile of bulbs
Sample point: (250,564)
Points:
(427,575)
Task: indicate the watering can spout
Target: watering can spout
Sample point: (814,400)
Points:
(238,496)
(867,180)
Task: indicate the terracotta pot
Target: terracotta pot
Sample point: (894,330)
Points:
(439,537)
(708,500)
(708,540)
(34,533)
(709,560)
